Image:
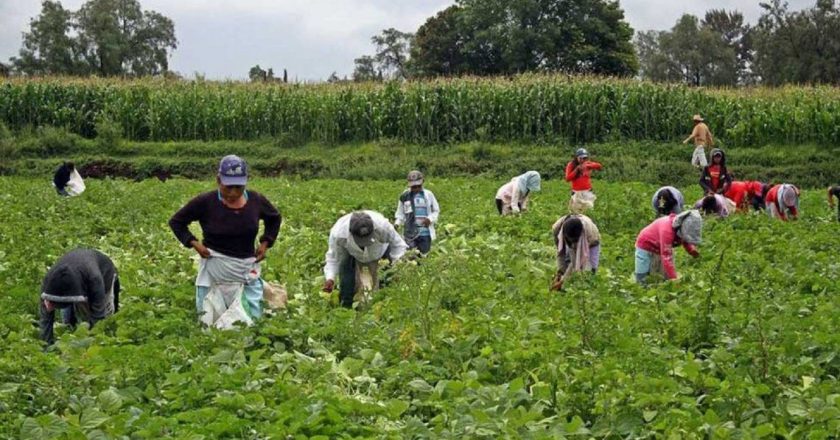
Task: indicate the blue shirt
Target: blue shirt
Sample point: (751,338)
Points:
(421,212)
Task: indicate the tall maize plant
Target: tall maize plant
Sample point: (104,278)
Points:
(525,108)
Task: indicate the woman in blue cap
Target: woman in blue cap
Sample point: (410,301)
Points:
(229,217)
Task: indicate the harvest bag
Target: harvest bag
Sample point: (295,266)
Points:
(76,185)
(225,276)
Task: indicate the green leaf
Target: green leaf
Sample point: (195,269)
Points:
(110,401)
(91,419)
(396,408)
(43,427)
(764,430)
(797,408)
(649,415)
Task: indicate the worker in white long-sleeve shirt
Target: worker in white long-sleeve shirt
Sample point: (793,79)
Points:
(359,239)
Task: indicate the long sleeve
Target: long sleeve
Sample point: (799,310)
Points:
(434,208)
(515,199)
(46,323)
(704,181)
(272,220)
(396,243)
(180,221)
(335,254)
(97,298)
(666,253)
(399,215)
(594,166)
(570,172)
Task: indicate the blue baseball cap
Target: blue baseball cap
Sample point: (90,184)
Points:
(233,171)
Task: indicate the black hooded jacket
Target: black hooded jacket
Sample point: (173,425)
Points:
(81,279)
(724,179)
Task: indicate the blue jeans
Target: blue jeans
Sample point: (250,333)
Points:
(643,260)
(253,298)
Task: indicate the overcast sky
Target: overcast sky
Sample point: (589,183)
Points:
(312,38)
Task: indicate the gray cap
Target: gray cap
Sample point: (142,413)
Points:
(361,228)
(415,178)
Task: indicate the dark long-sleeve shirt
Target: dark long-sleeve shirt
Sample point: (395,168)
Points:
(62,176)
(84,278)
(226,230)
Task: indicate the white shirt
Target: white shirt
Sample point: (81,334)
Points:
(509,194)
(433,213)
(342,245)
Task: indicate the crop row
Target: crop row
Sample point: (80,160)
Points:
(456,110)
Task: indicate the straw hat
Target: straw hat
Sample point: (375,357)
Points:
(698,118)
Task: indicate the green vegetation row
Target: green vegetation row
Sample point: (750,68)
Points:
(524,108)
(40,152)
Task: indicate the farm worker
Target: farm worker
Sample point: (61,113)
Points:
(418,210)
(578,244)
(667,200)
(702,138)
(783,202)
(655,244)
(67,181)
(715,204)
(84,285)
(743,193)
(716,178)
(833,192)
(513,196)
(229,217)
(359,239)
(578,172)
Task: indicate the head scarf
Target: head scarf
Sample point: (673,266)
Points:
(528,182)
(787,195)
(689,226)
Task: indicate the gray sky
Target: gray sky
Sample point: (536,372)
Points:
(312,38)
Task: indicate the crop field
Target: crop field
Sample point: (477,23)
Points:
(522,108)
(467,343)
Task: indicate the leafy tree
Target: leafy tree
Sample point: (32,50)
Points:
(580,36)
(690,52)
(47,47)
(105,37)
(392,51)
(365,69)
(438,48)
(798,47)
(256,74)
(732,29)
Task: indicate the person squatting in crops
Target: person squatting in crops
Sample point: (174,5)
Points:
(655,243)
(834,192)
(359,239)
(62,177)
(418,210)
(84,285)
(578,244)
(579,172)
(715,178)
(702,137)
(513,196)
(744,193)
(715,204)
(667,200)
(783,202)
(229,268)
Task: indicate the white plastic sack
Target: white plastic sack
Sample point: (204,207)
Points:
(582,201)
(275,295)
(223,306)
(76,185)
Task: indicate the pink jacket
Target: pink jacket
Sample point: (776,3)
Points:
(659,237)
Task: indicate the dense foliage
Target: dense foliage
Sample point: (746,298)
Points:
(467,344)
(520,109)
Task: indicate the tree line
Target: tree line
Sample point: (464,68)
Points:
(482,38)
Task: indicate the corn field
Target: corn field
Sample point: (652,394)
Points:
(525,108)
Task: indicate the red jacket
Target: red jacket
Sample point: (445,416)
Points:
(660,238)
(740,192)
(581,182)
